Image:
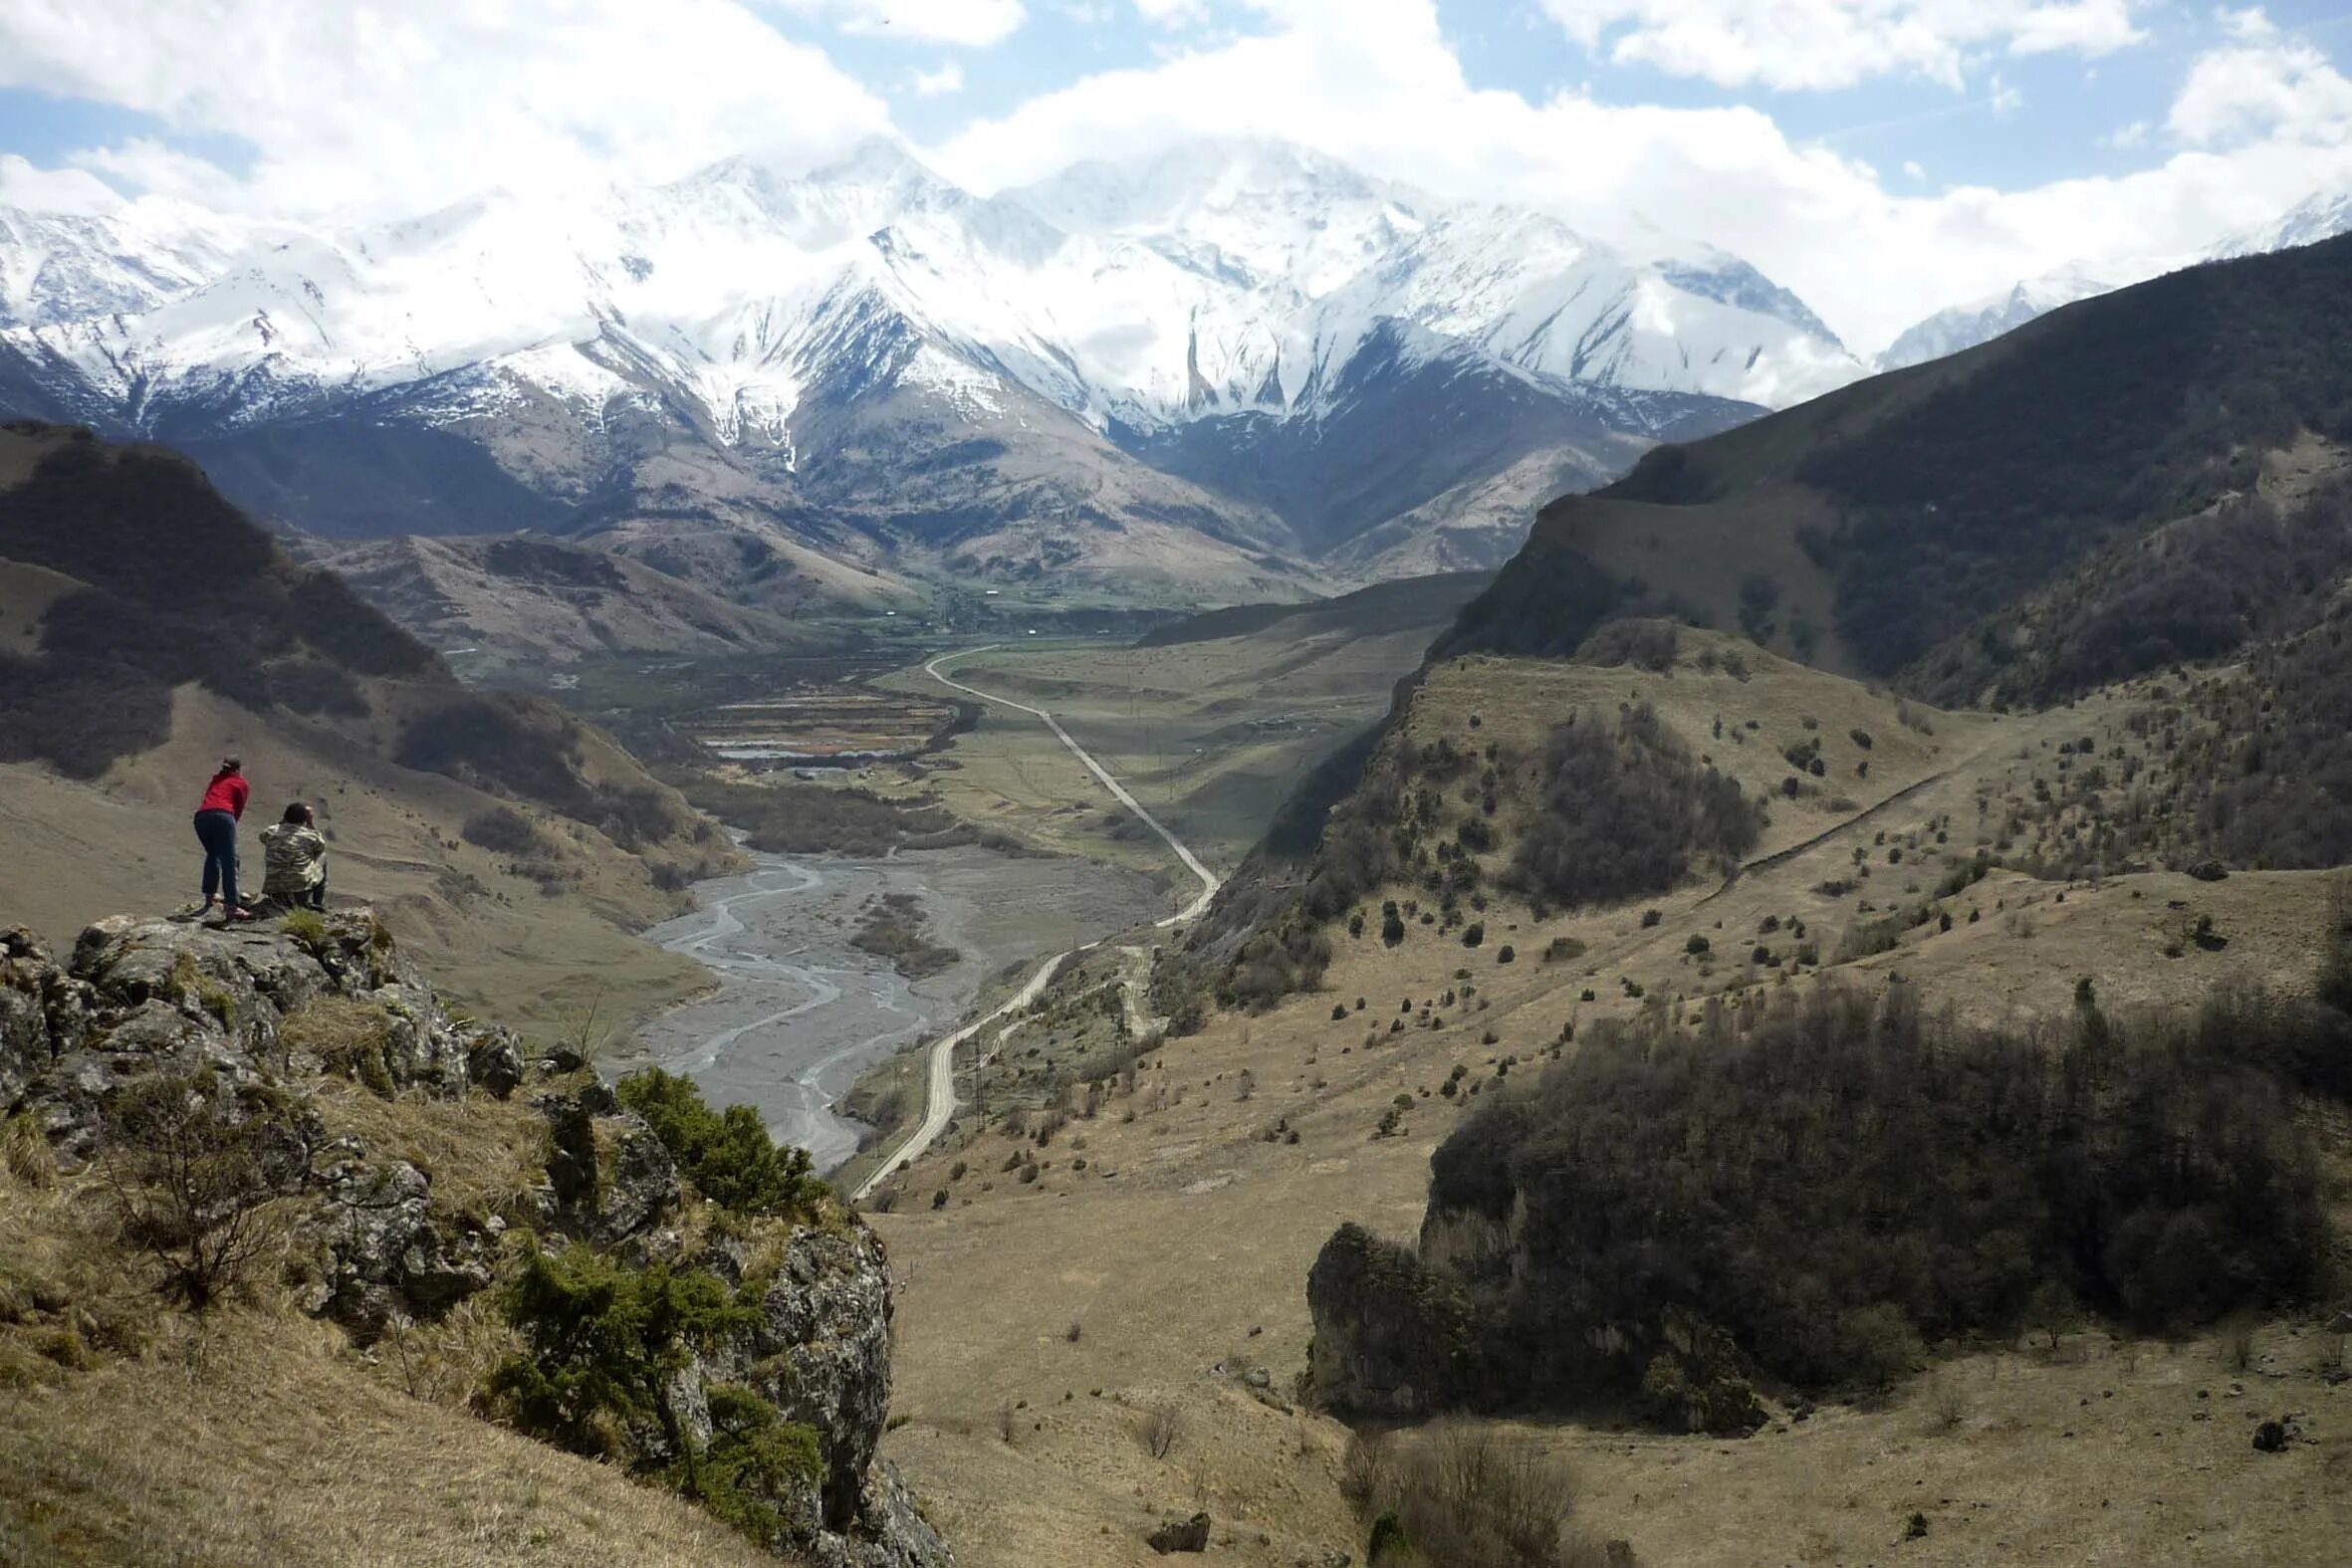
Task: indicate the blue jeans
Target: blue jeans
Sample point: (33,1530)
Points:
(217,833)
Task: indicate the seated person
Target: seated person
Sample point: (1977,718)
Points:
(294,857)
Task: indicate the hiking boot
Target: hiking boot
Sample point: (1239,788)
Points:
(190,912)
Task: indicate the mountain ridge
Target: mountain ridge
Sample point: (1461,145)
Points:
(731,343)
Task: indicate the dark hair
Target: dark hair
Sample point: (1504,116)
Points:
(230,765)
(296,813)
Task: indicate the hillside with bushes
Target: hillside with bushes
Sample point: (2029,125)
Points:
(264,1190)
(1809,1192)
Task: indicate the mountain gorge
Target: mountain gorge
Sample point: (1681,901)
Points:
(1187,372)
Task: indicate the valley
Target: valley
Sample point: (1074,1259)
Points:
(800,1013)
(1189,853)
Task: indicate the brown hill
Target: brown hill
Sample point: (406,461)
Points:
(153,630)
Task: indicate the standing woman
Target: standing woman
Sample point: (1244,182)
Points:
(216,831)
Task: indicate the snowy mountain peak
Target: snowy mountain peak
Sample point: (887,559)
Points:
(2321,216)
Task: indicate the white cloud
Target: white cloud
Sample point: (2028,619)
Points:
(361,107)
(1911,167)
(148,166)
(2269,88)
(2005,99)
(949,77)
(1172,13)
(1820,45)
(973,22)
(1330,75)
(54,190)
(2250,24)
(2127,138)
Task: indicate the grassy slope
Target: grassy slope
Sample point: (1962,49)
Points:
(134,1432)
(1186,1228)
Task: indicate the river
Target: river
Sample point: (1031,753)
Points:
(799,1012)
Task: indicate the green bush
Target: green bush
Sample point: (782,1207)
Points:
(602,1342)
(728,1153)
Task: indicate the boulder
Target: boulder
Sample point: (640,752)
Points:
(610,1179)
(385,1254)
(1180,1535)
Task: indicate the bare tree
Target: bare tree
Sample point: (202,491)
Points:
(1160,1429)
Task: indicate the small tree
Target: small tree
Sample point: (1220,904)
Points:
(2052,1312)
(192,1170)
(1880,1345)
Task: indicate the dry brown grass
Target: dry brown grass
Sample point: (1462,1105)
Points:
(255,1439)
(481,1154)
(1186,1230)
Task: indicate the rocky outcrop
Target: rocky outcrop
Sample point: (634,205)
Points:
(1392,1336)
(819,1351)
(255,1013)
(1180,1535)
(252,1018)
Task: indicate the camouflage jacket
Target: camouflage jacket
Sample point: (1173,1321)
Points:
(295,858)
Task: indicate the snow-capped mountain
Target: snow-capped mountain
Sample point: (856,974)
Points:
(2319,217)
(1201,371)
(60,267)
(1961,327)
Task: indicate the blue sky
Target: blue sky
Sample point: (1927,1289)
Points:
(1881,156)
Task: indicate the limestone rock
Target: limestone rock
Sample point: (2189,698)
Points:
(387,1253)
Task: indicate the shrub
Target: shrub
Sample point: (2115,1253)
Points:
(1465,1494)
(196,1169)
(728,1153)
(1474,933)
(502,830)
(602,1342)
(1624,811)
(1878,1346)
(1158,1431)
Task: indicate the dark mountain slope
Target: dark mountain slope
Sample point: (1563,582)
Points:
(1869,526)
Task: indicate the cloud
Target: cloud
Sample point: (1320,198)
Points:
(54,190)
(398,109)
(1820,45)
(1333,74)
(949,77)
(970,22)
(2005,99)
(2262,90)
(1913,170)
(1172,13)
(2126,138)
(147,165)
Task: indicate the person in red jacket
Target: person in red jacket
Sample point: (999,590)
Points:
(216,829)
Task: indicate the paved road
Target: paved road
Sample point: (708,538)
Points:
(939,1098)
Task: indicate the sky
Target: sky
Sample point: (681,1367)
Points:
(1881,157)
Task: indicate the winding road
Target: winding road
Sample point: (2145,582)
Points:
(939,1098)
